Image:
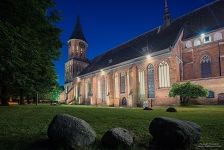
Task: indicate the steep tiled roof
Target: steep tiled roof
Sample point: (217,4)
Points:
(78,33)
(204,19)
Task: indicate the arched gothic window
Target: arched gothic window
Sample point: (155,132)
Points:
(122,82)
(141,79)
(116,88)
(103,86)
(151,82)
(164,75)
(205,66)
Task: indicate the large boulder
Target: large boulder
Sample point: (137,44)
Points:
(70,132)
(174,134)
(171,109)
(117,137)
(147,108)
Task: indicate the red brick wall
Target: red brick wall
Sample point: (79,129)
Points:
(215,84)
(192,60)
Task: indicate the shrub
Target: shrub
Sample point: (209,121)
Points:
(186,91)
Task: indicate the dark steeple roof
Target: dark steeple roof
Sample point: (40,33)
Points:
(167,17)
(205,19)
(78,33)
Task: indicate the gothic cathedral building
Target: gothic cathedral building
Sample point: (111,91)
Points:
(189,48)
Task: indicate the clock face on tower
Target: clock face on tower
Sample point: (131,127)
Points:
(82,45)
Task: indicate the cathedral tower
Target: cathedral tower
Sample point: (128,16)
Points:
(77,53)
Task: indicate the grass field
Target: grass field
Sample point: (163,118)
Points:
(23,127)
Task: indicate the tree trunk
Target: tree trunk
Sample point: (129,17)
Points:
(28,99)
(21,98)
(188,100)
(34,100)
(181,100)
(4,96)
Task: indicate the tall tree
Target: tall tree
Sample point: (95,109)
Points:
(29,44)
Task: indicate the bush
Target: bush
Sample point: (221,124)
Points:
(186,91)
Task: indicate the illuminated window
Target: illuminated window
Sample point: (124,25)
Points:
(89,88)
(151,82)
(103,86)
(78,90)
(122,82)
(116,86)
(86,90)
(99,89)
(141,82)
(108,85)
(164,75)
(205,66)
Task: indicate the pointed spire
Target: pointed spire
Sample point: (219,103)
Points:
(167,17)
(78,33)
(166,4)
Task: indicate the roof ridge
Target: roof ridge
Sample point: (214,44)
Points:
(195,10)
(176,19)
(131,40)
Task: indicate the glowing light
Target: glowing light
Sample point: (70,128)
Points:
(102,72)
(202,35)
(78,79)
(148,56)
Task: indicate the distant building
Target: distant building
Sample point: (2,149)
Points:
(189,48)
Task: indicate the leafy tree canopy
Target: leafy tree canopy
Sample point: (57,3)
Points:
(186,91)
(29,44)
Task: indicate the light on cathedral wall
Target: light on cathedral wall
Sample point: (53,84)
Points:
(78,79)
(102,72)
(148,56)
(202,35)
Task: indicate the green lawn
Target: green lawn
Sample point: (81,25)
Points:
(22,127)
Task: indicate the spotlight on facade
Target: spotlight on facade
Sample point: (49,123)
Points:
(78,79)
(102,72)
(202,35)
(148,56)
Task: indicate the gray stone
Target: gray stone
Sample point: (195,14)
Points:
(70,132)
(171,109)
(117,137)
(147,108)
(174,134)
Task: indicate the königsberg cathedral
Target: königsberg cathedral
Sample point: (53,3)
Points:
(189,48)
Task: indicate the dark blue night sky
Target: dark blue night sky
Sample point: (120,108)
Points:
(109,23)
